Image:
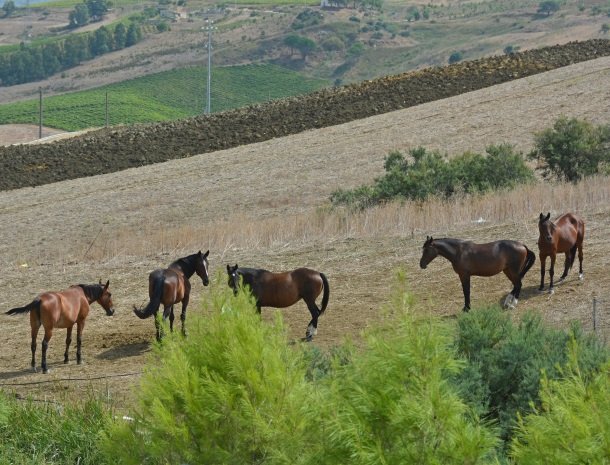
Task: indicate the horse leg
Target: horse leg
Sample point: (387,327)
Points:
(552,272)
(580,272)
(80,326)
(542,267)
(568,264)
(466,289)
(185,302)
(68,341)
(158,326)
(35,328)
(312,327)
(45,344)
(171,319)
(513,297)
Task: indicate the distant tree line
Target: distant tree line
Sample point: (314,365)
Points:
(35,62)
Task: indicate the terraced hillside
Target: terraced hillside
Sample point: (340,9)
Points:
(116,149)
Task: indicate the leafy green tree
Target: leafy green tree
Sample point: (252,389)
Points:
(510,49)
(572,424)
(98,8)
(8,8)
(572,149)
(120,36)
(76,50)
(79,16)
(548,7)
(455,57)
(301,43)
(605,28)
(134,34)
(51,55)
(101,41)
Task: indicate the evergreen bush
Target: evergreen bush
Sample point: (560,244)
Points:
(572,424)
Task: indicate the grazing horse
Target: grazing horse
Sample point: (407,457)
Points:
(470,259)
(564,235)
(171,285)
(62,310)
(281,290)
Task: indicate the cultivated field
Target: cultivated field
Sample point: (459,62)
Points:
(266,205)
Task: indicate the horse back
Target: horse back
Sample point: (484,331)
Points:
(570,231)
(64,308)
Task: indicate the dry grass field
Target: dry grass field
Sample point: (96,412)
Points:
(266,205)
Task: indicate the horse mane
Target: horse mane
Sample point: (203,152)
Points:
(186,264)
(92,291)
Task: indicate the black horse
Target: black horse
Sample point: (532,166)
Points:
(281,290)
(171,285)
(470,259)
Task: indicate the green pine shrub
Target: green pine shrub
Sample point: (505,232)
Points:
(424,174)
(393,403)
(233,391)
(572,424)
(506,362)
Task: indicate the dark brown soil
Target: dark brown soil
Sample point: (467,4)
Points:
(119,148)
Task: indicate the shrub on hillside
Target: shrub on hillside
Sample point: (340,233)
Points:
(428,173)
(572,425)
(572,149)
(394,404)
(506,362)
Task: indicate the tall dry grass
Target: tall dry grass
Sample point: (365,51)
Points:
(325,225)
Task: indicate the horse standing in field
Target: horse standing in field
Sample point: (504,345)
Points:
(564,235)
(171,285)
(470,259)
(62,310)
(281,290)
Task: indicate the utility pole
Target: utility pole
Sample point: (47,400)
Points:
(209,27)
(40,112)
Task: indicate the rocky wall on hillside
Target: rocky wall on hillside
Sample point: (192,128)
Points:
(118,148)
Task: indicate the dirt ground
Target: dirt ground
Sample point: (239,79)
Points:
(24,133)
(52,233)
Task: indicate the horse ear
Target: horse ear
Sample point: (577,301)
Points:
(548,216)
(541,216)
(228,268)
(107,284)
(205,255)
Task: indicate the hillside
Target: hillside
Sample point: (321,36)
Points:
(352,44)
(266,205)
(118,148)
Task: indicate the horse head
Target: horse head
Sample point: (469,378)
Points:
(429,253)
(201,267)
(233,277)
(546,228)
(105,299)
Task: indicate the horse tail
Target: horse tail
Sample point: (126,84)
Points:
(155,299)
(326,293)
(529,262)
(33,305)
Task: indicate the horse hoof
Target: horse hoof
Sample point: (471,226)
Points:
(46,371)
(34,370)
(581,276)
(551,291)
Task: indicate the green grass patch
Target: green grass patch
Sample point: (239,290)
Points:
(163,96)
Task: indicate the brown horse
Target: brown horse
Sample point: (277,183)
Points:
(171,285)
(470,259)
(281,290)
(62,310)
(564,235)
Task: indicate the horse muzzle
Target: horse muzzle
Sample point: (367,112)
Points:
(422,265)
(110,312)
(205,282)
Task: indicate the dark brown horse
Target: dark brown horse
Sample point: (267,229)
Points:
(62,310)
(171,285)
(470,259)
(281,290)
(564,235)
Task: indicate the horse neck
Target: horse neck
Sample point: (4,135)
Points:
(92,291)
(448,248)
(185,265)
